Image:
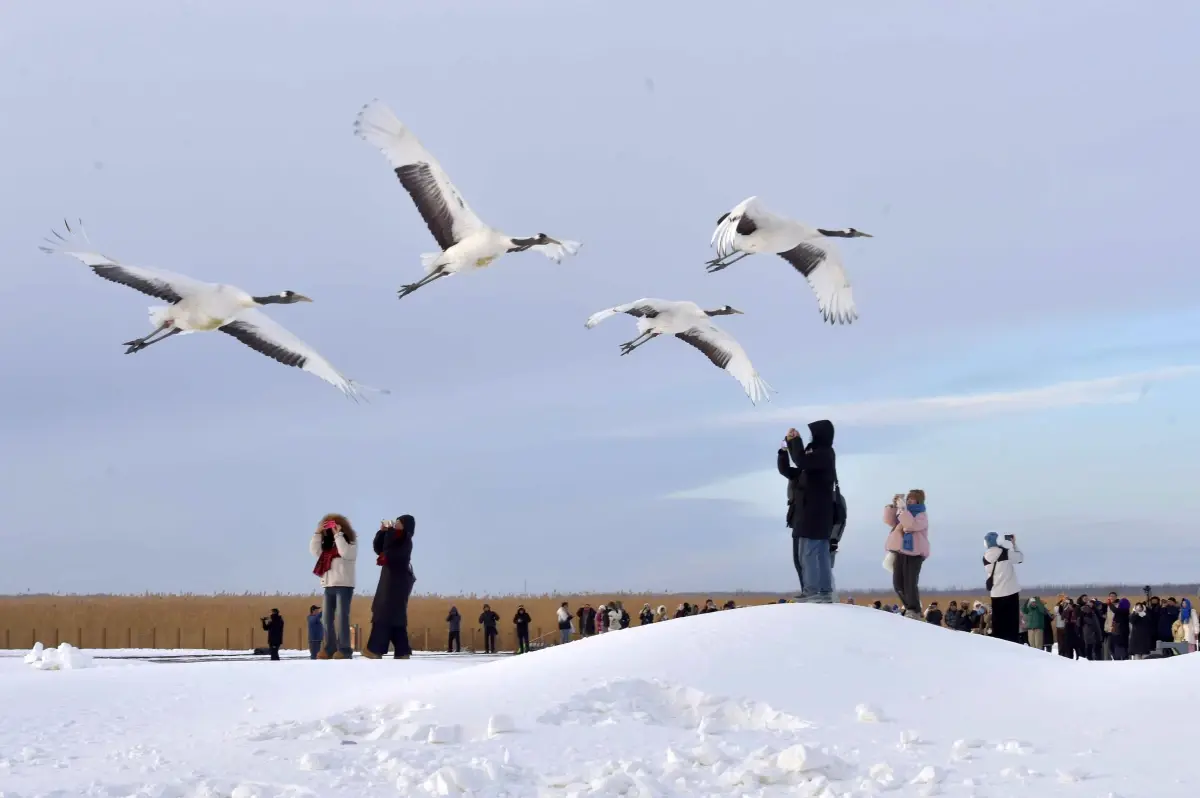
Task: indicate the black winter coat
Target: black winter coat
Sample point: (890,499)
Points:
(390,606)
(488,619)
(934,617)
(522,620)
(1167,616)
(811,480)
(1141,635)
(273,626)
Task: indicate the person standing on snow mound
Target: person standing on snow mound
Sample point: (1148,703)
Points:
(811,507)
(1002,585)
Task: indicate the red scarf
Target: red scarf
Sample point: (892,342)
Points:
(325,561)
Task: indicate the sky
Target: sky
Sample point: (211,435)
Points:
(1027,350)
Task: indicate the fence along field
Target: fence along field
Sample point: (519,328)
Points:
(231,622)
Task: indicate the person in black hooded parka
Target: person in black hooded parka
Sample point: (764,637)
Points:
(810,511)
(389,609)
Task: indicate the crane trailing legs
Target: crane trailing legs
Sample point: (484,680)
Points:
(138,344)
(716,264)
(644,338)
(426,280)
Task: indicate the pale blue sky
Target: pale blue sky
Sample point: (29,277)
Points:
(1027,170)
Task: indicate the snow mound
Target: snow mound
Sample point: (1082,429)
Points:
(663,704)
(64,658)
(818,701)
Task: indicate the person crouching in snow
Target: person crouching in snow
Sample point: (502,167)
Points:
(909,542)
(389,609)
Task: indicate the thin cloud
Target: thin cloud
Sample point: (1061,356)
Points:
(1119,389)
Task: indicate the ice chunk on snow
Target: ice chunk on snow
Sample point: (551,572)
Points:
(1070,775)
(928,775)
(800,759)
(500,724)
(65,657)
(443,735)
(314,761)
(866,714)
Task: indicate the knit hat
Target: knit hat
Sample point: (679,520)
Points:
(992,540)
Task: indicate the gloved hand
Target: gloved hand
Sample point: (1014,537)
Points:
(833,547)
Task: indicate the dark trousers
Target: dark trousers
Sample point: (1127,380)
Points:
(1118,648)
(1006,617)
(455,642)
(906,574)
(314,646)
(1093,651)
(274,651)
(522,639)
(1066,646)
(796,561)
(383,636)
(489,640)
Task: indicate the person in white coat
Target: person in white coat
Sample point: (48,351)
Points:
(1002,585)
(335,545)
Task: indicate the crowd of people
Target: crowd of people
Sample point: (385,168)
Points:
(1080,628)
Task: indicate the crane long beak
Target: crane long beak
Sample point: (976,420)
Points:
(865,235)
(300,298)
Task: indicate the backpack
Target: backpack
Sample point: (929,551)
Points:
(839,514)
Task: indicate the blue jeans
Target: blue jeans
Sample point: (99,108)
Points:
(816,570)
(336,617)
(564,636)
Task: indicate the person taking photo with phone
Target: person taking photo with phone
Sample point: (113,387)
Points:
(389,609)
(999,562)
(335,545)
(907,547)
(811,472)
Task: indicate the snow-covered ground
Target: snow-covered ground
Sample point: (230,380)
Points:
(778,700)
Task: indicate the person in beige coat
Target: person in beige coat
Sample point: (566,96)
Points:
(335,545)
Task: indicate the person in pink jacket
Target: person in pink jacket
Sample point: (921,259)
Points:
(909,543)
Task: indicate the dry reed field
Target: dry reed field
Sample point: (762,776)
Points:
(231,622)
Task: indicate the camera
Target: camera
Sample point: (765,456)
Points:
(1146,590)
(1009,538)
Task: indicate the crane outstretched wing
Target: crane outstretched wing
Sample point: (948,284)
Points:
(726,353)
(642,308)
(164,285)
(821,264)
(445,212)
(263,334)
(742,216)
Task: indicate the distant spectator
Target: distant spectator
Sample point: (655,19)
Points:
(273,626)
(1167,617)
(680,612)
(335,546)
(1064,617)
(877,605)
(731,605)
(1035,613)
(522,621)
(908,545)
(587,620)
(564,623)
(661,613)
(1091,632)
(490,622)
(316,632)
(1141,632)
(933,615)
(709,606)
(953,614)
(1189,625)
(1002,585)
(1108,621)
(454,623)
(1118,641)
(623,616)
(1048,631)
(646,615)
(389,609)
(1153,609)
(981,619)
(602,619)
